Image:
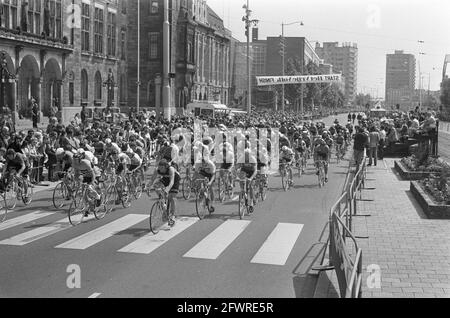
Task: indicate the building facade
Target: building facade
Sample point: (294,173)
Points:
(199,55)
(345,61)
(400,80)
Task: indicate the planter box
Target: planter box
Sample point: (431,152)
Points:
(431,209)
(410,175)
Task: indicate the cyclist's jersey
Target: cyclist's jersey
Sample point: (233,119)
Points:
(340,140)
(166,179)
(300,146)
(17,163)
(99,148)
(135,160)
(124,159)
(67,160)
(83,167)
(307,141)
(112,148)
(329,142)
(287,155)
(322,152)
(284,142)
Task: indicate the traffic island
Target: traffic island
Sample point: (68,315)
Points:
(409,175)
(431,208)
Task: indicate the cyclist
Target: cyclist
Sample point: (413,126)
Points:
(329,141)
(286,158)
(84,168)
(225,159)
(300,149)
(64,158)
(247,164)
(135,163)
(263,161)
(15,162)
(205,168)
(170,178)
(340,143)
(321,152)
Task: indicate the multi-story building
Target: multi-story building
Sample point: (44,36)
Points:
(345,61)
(59,58)
(212,80)
(400,80)
(199,54)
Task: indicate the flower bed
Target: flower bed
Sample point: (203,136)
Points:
(410,168)
(434,202)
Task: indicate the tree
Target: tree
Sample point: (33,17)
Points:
(363,99)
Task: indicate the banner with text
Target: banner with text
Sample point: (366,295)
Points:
(308,79)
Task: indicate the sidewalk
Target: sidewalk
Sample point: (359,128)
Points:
(412,252)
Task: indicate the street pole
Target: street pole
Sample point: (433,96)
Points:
(283,54)
(139,59)
(248,23)
(249,87)
(166,62)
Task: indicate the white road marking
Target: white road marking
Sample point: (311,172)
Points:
(96,236)
(38,233)
(278,246)
(151,242)
(216,242)
(24,219)
(94,295)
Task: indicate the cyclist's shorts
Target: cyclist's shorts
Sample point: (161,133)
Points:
(133,167)
(206,175)
(87,179)
(226,166)
(248,172)
(322,157)
(24,173)
(261,165)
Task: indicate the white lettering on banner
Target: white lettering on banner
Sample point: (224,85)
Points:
(309,79)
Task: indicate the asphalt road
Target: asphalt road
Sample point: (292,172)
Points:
(220,256)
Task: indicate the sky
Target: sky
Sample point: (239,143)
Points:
(378,27)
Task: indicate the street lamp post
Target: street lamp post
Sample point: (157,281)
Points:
(283,62)
(248,23)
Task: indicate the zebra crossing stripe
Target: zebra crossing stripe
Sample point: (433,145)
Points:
(96,236)
(24,219)
(151,242)
(38,233)
(278,246)
(216,242)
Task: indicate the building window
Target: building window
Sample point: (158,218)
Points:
(34,16)
(55,19)
(123,89)
(153,45)
(154,7)
(98,87)
(85,27)
(98,30)
(84,86)
(122,44)
(10,14)
(112,25)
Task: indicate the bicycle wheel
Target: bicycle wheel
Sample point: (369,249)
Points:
(255,186)
(137,187)
(299,167)
(27,197)
(11,196)
(221,188)
(77,211)
(187,188)
(321,177)
(156,218)
(284,180)
(243,209)
(200,205)
(61,195)
(105,206)
(3,208)
(263,192)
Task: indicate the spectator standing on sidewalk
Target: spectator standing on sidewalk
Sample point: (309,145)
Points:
(359,147)
(382,143)
(374,141)
(35,113)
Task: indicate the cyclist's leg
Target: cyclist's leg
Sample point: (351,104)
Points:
(172,205)
(250,192)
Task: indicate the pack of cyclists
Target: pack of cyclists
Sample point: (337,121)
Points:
(90,149)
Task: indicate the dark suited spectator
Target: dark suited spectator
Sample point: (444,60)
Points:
(50,150)
(359,147)
(35,113)
(374,141)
